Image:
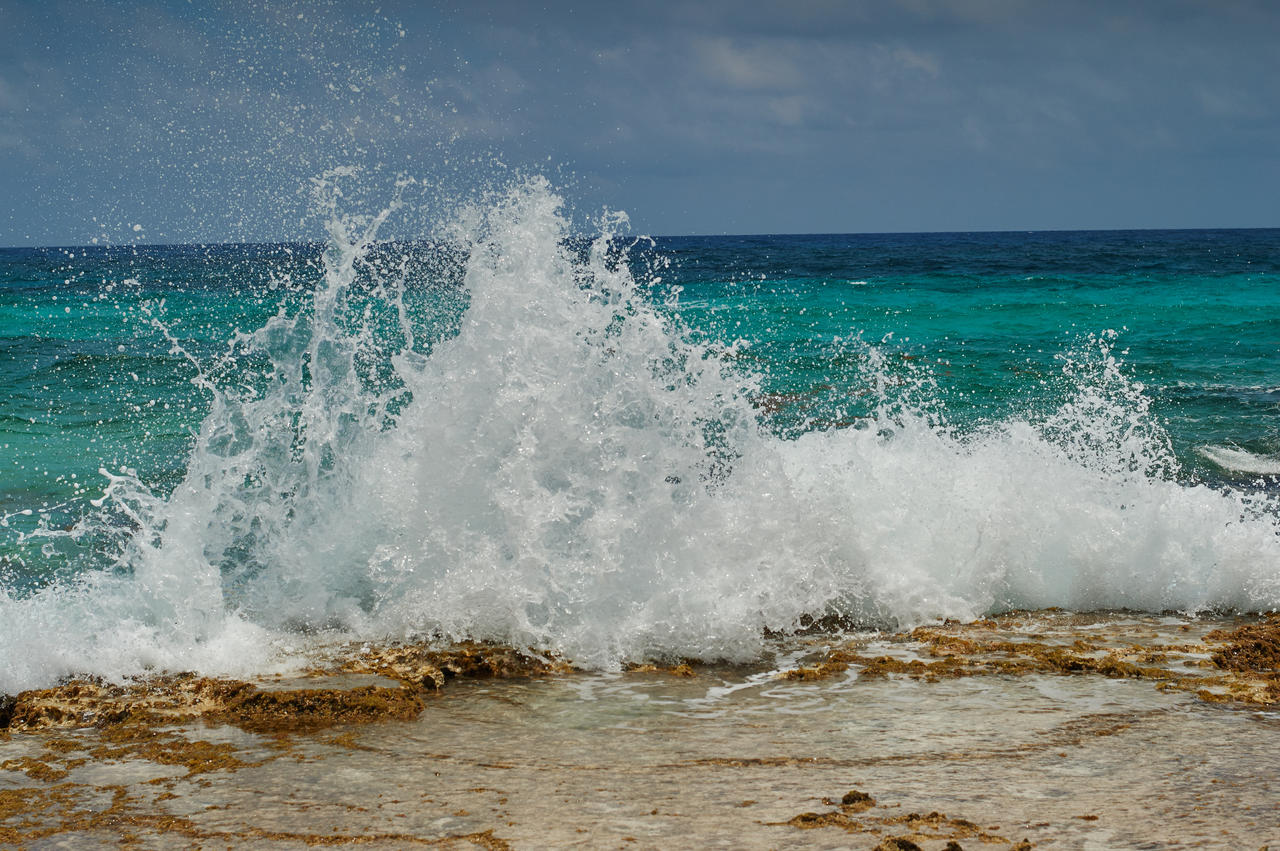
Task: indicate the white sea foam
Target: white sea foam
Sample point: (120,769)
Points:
(1241,460)
(573,474)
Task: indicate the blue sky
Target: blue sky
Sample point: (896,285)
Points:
(177,121)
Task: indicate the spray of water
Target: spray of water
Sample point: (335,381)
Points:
(565,468)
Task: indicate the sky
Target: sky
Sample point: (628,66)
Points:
(170,121)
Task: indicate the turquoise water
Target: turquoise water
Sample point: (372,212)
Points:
(491,436)
(991,317)
(101,349)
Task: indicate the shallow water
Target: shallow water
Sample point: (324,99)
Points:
(728,757)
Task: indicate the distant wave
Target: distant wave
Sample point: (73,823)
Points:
(1241,460)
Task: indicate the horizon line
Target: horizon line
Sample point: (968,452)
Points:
(745,235)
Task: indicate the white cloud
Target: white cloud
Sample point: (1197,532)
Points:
(760,66)
(791,110)
(917,60)
(1224,103)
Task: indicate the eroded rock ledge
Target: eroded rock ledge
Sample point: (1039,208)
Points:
(1236,662)
(388,682)
(1233,661)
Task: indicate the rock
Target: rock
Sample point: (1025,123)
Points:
(853,796)
(898,843)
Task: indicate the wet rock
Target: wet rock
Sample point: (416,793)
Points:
(809,821)
(898,843)
(35,769)
(856,801)
(821,671)
(381,683)
(682,669)
(431,667)
(1252,647)
(307,709)
(1229,665)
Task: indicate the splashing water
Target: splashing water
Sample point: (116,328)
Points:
(564,467)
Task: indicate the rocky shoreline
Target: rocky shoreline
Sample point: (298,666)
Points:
(149,763)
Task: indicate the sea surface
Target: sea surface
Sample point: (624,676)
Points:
(620,448)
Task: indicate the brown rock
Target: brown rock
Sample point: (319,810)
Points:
(857,801)
(898,843)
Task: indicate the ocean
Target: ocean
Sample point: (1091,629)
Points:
(520,535)
(621,448)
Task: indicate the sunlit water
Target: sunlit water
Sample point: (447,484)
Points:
(618,449)
(726,758)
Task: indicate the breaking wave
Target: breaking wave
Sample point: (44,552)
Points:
(567,468)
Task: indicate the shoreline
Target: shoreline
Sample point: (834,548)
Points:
(842,739)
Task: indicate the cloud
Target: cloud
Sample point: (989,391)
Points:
(917,60)
(211,106)
(1228,103)
(762,66)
